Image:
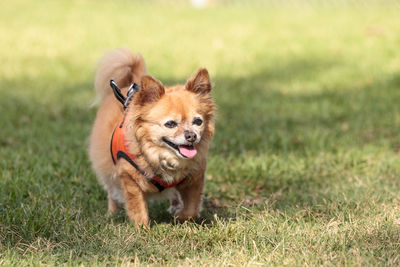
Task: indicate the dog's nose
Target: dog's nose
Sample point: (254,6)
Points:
(190,136)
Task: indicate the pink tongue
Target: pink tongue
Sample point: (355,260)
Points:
(189,152)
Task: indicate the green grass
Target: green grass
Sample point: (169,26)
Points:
(304,168)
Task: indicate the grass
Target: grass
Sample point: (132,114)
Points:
(304,168)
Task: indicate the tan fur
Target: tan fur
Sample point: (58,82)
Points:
(145,129)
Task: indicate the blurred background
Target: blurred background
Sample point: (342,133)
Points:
(308,114)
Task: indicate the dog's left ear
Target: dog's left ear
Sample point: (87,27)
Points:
(200,83)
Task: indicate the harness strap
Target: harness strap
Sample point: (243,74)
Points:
(156,181)
(117,92)
(123,155)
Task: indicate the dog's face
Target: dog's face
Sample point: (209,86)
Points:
(178,121)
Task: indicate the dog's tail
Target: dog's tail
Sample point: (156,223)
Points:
(120,65)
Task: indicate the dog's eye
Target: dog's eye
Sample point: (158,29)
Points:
(171,124)
(197,122)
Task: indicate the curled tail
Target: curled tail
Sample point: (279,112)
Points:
(122,66)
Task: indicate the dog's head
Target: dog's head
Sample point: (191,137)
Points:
(177,121)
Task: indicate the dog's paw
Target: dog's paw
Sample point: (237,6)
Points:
(186,217)
(175,209)
(169,164)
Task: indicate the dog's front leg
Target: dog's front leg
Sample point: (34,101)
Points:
(192,194)
(135,202)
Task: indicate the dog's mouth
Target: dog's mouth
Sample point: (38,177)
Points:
(186,151)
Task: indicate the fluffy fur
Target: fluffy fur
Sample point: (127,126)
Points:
(158,147)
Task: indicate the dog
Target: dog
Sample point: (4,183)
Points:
(157,146)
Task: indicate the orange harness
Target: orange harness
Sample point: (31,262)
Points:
(119,150)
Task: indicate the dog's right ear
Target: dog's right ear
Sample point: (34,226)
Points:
(151,91)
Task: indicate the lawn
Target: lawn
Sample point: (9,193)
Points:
(304,167)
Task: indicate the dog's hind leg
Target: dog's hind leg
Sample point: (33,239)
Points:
(112,205)
(176,203)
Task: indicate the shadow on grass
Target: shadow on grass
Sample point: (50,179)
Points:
(255,117)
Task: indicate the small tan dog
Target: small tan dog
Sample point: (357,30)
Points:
(158,145)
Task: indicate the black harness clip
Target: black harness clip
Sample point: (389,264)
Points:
(132,90)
